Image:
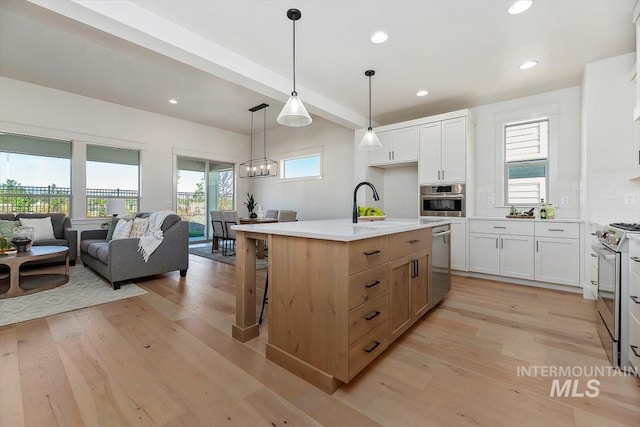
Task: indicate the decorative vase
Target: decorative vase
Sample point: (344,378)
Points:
(23,238)
(253,215)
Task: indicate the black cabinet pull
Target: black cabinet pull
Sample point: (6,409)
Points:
(634,348)
(376,251)
(635,299)
(371,285)
(635,258)
(372,347)
(413,241)
(373,315)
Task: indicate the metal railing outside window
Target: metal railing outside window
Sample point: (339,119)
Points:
(30,199)
(97,201)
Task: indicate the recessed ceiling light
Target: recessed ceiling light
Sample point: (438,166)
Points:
(520,6)
(173,101)
(527,65)
(422,93)
(379,37)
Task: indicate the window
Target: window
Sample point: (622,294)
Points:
(304,167)
(526,154)
(112,173)
(35,174)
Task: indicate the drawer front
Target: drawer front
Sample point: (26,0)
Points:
(367,285)
(634,294)
(367,348)
(569,230)
(366,317)
(368,253)
(409,242)
(523,227)
(634,264)
(634,340)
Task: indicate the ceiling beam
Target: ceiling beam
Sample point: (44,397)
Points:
(137,25)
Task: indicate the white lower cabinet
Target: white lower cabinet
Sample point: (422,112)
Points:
(545,251)
(502,255)
(558,261)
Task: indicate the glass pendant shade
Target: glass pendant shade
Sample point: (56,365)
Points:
(370,141)
(294,114)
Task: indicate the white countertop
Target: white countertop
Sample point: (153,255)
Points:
(502,218)
(341,229)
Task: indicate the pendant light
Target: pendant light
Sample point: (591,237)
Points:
(294,114)
(262,167)
(370,141)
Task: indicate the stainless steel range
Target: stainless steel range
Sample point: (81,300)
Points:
(613,289)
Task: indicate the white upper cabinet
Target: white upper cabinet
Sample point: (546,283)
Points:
(398,146)
(443,153)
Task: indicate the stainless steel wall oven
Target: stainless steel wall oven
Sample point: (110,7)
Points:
(442,200)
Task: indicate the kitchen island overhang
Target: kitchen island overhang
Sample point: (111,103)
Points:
(339,292)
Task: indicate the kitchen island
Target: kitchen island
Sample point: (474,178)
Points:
(339,293)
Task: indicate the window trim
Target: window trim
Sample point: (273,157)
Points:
(532,162)
(301,154)
(552,112)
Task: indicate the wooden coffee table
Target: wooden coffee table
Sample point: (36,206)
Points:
(16,284)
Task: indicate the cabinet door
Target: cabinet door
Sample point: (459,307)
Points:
(459,245)
(430,162)
(516,256)
(484,255)
(420,285)
(405,145)
(558,261)
(399,296)
(454,137)
(383,155)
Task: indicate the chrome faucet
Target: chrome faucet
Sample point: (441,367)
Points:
(355,206)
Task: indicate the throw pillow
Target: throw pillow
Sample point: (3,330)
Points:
(112,228)
(122,231)
(42,228)
(139,227)
(7,227)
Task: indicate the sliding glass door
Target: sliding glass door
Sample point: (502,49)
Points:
(203,185)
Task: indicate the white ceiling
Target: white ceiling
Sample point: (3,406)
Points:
(219,58)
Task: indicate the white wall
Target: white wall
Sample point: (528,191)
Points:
(329,197)
(487,158)
(607,140)
(37,110)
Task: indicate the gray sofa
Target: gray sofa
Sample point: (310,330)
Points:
(119,260)
(64,235)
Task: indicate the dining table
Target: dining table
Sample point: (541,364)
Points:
(260,242)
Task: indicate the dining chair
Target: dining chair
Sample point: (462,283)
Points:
(271,213)
(230,218)
(219,235)
(287,216)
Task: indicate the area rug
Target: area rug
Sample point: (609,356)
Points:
(84,289)
(205,251)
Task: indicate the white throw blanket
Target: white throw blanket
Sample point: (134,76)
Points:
(152,238)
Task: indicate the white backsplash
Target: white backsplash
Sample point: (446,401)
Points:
(614,198)
(572,191)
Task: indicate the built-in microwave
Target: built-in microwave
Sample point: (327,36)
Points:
(442,200)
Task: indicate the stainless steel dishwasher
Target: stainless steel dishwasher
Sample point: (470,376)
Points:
(440,262)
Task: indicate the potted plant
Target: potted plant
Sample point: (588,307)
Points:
(251,205)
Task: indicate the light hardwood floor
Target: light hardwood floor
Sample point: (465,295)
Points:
(167,359)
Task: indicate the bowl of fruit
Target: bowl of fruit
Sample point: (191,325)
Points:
(370,214)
